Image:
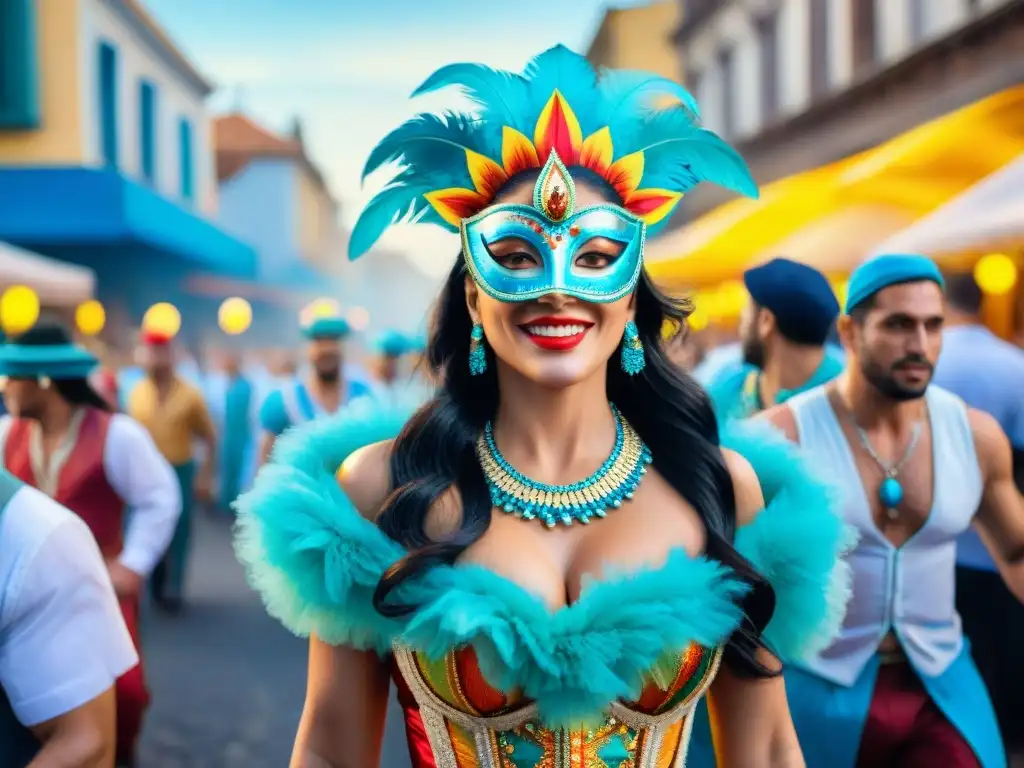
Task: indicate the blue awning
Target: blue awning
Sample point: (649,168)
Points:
(66,208)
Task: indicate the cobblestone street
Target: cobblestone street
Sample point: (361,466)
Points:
(227,680)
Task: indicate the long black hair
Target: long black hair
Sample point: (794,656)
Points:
(669,410)
(76,392)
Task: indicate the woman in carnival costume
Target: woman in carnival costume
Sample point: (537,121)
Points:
(556,556)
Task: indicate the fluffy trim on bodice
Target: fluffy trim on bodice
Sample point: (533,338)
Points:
(316,561)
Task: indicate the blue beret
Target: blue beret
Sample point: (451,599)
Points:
(889,269)
(392,343)
(55,361)
(327,328)
(799,296)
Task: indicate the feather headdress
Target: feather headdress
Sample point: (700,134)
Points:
(611,122)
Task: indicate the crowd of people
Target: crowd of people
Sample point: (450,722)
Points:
(103,471)
(562,540)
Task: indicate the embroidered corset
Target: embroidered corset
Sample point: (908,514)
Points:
(468,724)
(488,676)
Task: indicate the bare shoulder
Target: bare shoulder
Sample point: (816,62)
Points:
(745,487)
(365,476)
(990,441)
(783,419)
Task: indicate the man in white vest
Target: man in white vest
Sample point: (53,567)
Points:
(915,467)
(63,642)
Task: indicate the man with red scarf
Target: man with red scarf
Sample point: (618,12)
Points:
(62,438)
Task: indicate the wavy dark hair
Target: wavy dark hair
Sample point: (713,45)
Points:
(670,411)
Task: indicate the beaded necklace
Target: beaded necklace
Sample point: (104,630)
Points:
(615,481)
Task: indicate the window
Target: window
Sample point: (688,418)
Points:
(865,46)
(108,104)
(917,20)
(147,130)
(768,44)
(727,70)
(185,150)
(19,65)
(819,48)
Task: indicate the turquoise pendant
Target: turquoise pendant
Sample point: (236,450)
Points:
(890,492)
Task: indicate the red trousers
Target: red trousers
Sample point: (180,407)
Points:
(905,729)
(132,693)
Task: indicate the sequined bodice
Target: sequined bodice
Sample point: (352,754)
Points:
(456,720)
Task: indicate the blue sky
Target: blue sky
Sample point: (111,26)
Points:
(347,66)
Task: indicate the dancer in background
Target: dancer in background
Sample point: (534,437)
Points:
(391,346)
(63,641)
(175,414)
(237,439)
(916,467)
(993,618)
(62,438)
(324,390)
(783,330)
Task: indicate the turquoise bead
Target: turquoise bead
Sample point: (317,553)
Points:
(890,492)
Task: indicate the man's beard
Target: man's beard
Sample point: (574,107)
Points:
(884,381)
(753,352)
(328,375)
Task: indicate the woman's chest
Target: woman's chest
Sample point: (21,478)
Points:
(556,563)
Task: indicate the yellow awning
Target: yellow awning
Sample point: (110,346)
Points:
(898,181)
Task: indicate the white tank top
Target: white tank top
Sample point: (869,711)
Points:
(910,589)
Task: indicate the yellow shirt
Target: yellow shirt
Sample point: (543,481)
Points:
(173,423)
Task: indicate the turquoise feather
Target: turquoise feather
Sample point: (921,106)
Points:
(430,149)
(316,562)
(502,97)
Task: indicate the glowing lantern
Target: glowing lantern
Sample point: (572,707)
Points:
(698,319)
(358,318)
(732,296)
(841,288)
(163,319)
(234,316)
(19,309)
(995,274)
(90,317)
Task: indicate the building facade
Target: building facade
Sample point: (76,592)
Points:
(272,195)
(105,149)
(639,38)
(796,84)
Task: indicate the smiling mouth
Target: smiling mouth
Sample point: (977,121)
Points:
(557,334)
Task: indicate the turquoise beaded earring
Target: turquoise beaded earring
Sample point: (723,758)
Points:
(477,353)
(633,359)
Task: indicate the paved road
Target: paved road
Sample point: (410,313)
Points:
(227,680)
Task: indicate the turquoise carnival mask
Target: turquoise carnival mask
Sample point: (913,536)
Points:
(558,234)
(638,133)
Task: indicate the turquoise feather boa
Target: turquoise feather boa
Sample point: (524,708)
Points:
(316,562)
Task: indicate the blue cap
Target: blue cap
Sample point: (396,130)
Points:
(799,296)
(889,269)
(327,328)
(55,361)
(392,344)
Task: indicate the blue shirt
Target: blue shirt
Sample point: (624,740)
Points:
(292,404)
(734,390)
(987,373)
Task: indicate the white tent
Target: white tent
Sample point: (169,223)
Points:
(56,283)
(989,215)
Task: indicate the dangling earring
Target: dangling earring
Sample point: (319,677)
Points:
(477,353)
(633,359)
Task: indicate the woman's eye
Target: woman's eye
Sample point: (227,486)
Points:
(593,260)
(517,260)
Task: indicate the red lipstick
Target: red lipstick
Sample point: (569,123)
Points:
(553,343)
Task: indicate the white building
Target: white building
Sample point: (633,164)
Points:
(800,83)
